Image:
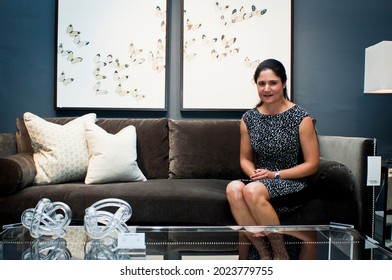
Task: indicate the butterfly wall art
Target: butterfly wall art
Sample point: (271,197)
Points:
(104,58)
(223,42)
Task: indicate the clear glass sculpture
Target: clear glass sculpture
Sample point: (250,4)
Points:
(47,218)
(98,222)
(46,248)
(104,249)
(107,249)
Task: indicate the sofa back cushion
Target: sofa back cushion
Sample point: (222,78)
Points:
(204,149)
(152,141)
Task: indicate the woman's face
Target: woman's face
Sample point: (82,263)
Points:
(269,87)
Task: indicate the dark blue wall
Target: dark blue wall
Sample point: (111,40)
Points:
(329,40)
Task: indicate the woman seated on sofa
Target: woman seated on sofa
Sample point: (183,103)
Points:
(278,150)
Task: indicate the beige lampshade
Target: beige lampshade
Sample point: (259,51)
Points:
(378,68)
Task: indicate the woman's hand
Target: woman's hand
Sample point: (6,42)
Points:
(259,174)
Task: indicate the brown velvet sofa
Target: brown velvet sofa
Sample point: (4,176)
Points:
(188,164)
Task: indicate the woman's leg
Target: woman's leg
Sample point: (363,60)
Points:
(238,205)
(243,249)
(256,196)
(243,216)
(308,249)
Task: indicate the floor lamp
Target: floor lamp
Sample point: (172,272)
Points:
(378,80)
(378,70)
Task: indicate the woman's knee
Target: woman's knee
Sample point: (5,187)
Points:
(255,192)
(234,189)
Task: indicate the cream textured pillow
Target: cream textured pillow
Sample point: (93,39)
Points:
(60,151)
(112,157)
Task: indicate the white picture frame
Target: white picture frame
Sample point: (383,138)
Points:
(111,54)
(223,42)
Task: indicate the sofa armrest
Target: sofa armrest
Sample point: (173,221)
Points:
(332,181)
(16,172)
(353,152)
(7,144)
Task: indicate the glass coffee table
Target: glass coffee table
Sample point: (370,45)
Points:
(320,242)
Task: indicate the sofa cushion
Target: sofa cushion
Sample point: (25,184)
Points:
(204,149)
(60,151)
(154,202)
(152,143)
(112,157)
(16,172)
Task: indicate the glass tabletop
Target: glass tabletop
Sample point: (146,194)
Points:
(319,242)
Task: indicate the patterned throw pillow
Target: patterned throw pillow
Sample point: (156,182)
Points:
(112,157)
(60,151)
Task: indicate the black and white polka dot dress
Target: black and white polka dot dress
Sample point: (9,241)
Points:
(276,146)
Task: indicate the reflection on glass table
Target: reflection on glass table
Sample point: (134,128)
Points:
(321,242)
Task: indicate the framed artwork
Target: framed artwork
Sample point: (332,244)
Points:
(223,42)
(111,54)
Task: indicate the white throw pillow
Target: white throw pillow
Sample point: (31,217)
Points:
(60,151)
(112,157)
